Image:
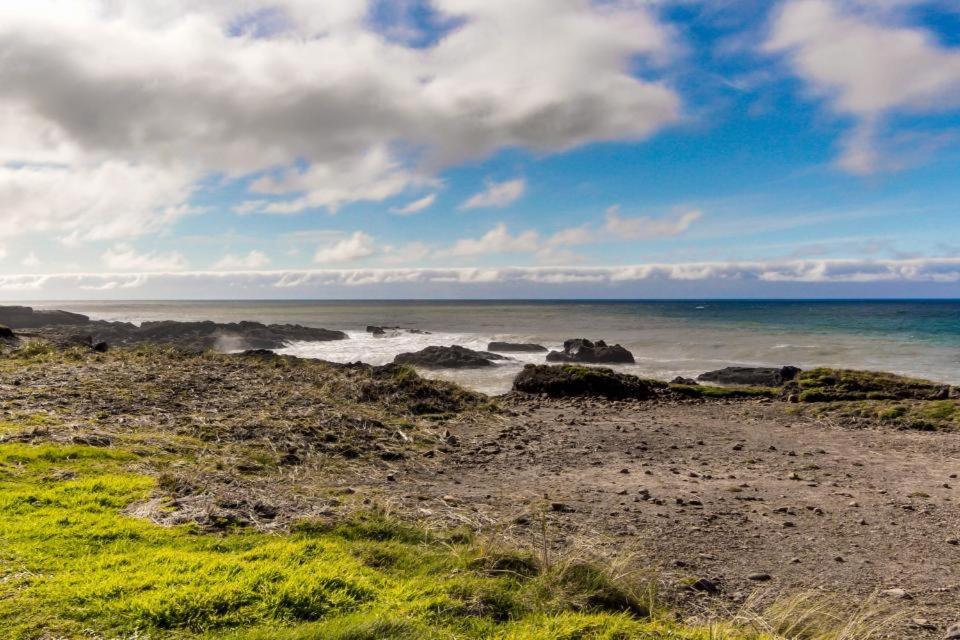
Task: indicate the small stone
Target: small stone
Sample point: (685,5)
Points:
(953,541)
(953,633)
(898,593)
(705,585)
(760,577)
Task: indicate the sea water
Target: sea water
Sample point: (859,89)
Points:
(667,338)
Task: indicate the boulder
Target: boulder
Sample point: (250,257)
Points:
(687,381)
(6,333)
(18,317)
(751,376)
(515,347)
(583,350)
(572,381)
(455,357)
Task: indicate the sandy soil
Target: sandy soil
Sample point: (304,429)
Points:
(742,493)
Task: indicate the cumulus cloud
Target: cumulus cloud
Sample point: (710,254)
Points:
(497,240)
(416,206)
(497,194)
(112,113)
(357,246)
(123,257)
(253,260)
(867,66)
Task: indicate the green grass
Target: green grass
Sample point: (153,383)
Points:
(72,565)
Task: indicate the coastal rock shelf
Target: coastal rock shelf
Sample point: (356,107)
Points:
(62,327)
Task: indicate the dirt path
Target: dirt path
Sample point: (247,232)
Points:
(744,494)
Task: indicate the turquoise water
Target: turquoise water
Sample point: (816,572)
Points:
(920,338)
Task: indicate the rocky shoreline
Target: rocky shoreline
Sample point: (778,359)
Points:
(822,479)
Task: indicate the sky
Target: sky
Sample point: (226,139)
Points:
(479,148)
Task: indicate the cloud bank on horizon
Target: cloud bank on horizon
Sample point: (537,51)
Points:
(310,148)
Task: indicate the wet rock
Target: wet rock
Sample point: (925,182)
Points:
(455,357)
(687,381)
(583,350)
(515,347)
(572,381)
(751,376)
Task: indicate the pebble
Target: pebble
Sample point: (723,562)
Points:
(898,593)
(953,633)
(760,577)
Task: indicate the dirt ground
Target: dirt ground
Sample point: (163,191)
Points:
(746,494)
(742,493)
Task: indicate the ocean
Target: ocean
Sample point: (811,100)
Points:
(668,338)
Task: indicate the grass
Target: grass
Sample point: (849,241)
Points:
(72,564)
(707,391)
(825,385)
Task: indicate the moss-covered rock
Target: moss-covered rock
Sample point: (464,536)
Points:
(829,385)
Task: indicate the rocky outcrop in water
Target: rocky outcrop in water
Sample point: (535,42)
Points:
(751,376)
(190,336)
(455,357)
(515,347)
(583,350)
(17,317)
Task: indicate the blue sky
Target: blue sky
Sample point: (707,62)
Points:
(480,148)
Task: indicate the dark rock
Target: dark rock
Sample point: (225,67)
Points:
(571,380)
(100,347)
(751,376)
(377,331)
(704,585)
(515,347)
(455,357)
(583,350)
(687,381)
(760,577)
(6,333)
(29,318)
(190,336)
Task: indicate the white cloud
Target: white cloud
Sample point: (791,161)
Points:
(30,260)
(357,246)
(917,270)
(416,206)
(110,200)
(497,240)
(253,260)
(409,253)
(867,66)
(123,257)
(497,194)
(645,228)
(120,109)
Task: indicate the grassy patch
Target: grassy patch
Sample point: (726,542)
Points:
(70,561)
(829,385)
